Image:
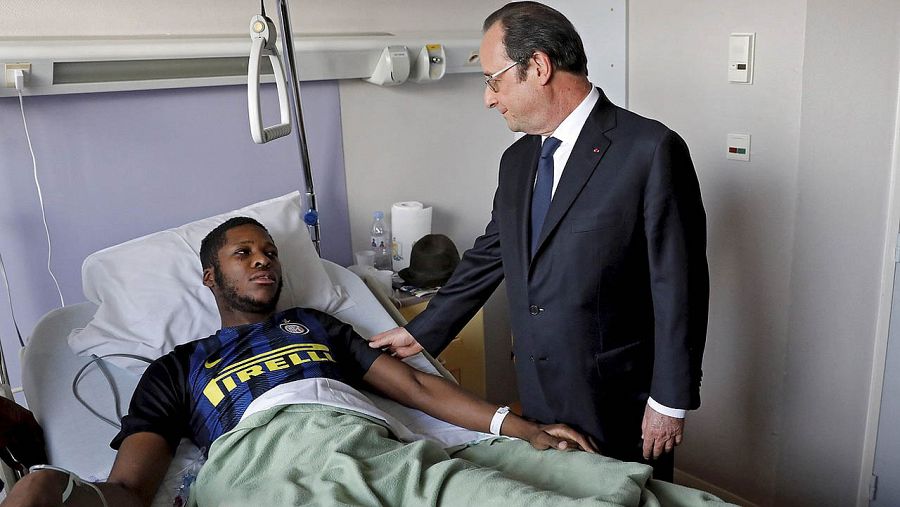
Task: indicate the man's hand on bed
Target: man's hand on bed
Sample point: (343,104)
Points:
(660,432)
(561,437)
(397,341)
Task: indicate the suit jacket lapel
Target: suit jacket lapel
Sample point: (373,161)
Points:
(585,157)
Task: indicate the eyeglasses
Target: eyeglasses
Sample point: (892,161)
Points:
(491,81)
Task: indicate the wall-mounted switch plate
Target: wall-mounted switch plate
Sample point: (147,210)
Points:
(741,47)
(738,147)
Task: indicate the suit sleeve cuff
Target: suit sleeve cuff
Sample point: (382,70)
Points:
(664,410)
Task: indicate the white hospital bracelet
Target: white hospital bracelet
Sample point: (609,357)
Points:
(497,420)
(73,481)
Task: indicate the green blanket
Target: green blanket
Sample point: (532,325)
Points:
(316,455)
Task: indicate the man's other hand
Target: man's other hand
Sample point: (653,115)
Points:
(661,433)
(398,341)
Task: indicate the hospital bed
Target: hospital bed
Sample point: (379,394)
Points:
(145,296)
(79,440)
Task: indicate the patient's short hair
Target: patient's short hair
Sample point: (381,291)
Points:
(209,247)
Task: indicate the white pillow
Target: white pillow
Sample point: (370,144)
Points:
(150,292)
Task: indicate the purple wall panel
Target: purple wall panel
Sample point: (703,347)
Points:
(115,166)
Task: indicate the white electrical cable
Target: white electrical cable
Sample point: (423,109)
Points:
(37,183)
(4,374)
(73,480)
(12,311)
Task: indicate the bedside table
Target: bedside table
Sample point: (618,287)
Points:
(464,356)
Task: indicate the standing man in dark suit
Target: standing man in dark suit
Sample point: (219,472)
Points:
(599,230)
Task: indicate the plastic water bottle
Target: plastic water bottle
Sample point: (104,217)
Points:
(380,242)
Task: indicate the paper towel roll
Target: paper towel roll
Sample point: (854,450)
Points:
(409,222)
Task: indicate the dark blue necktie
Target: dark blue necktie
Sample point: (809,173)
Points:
(543,189)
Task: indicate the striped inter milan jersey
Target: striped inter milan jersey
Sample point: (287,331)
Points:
(201,389)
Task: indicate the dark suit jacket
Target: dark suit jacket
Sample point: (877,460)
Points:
(612,307)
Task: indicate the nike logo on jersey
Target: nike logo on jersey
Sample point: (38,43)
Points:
(212,364)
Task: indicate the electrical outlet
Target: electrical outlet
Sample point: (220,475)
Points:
(10,76)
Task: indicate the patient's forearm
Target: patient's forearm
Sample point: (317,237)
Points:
(115,494)
(440,398)
(140,466)
(445,400)
(45,488)
(449,402)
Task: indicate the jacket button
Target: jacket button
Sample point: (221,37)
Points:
(534,309)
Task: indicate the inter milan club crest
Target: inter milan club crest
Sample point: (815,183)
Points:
(293,327)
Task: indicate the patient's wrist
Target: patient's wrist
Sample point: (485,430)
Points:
(517,427)
(497,421)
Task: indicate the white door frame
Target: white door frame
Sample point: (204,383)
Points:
(876,385)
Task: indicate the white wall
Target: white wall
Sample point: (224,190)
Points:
(436,144)
(677,74)
(796,235)
(28,18)
(850,91)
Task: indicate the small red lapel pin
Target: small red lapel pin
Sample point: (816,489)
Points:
(596,150)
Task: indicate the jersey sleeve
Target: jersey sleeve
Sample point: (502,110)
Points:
(157,405)
(352,351)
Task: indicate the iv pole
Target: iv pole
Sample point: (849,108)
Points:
(261,26)
(287,48)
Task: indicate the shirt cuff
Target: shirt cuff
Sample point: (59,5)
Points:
(678,413)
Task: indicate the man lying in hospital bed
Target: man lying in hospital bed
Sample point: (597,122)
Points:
(323,443)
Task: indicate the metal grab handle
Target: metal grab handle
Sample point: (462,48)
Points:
(262,34)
